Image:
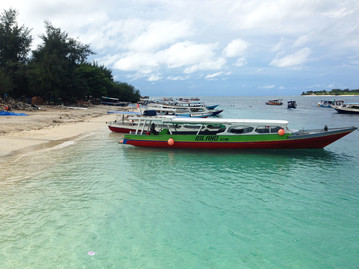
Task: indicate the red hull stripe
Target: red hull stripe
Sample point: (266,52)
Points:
(120,130)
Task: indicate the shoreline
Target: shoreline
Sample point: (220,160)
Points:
(48,128)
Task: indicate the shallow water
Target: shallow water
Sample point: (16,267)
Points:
(161,208)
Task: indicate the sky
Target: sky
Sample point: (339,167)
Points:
(212,47)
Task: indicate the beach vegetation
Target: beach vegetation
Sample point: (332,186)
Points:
(15,48)
(58,69)
(333,92)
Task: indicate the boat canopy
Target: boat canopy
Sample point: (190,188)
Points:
(187,120)
(124,112)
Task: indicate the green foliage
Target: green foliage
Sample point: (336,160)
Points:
(125,92)
(15,41)
(15,44)
(333,92)
(92,80)
(57,68)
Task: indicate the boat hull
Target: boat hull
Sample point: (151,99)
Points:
(119,129)
(272,141)
(347,111)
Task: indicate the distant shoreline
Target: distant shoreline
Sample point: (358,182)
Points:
(329,95)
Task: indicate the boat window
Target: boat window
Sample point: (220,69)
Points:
(240,129)
(216,126)
(275,129)
(263,129)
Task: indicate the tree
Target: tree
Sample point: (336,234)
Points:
(52,68)
(93,80)
(15,44)
(125,92)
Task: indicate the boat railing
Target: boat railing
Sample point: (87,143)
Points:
(315,131)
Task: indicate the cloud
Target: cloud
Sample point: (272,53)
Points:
(138,62)
(177,77)
(187,53)
(335,13)
(190,56)
(154,77)
(294,59)
(215,64)
(211,76)
(235,48)
(241,62)
(268,86)
(160,33)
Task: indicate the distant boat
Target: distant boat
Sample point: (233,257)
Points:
(352,108)
(292,104)
(110,101)
(330,103)
(275,102)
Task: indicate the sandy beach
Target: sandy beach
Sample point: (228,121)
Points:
(49,127)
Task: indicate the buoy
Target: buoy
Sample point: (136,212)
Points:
(91,253)
(170,141)
(281,132)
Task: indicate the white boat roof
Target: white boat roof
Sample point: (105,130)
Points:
(124,112)
(189,120)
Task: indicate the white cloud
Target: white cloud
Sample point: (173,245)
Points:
(187,53)
(302,40)
(241,62)
(177,77)
(211,76)
(216,64)
(235,48)
(268,86)
(160,33)
(335,13)
(294,59)
(154,77)
(138,62)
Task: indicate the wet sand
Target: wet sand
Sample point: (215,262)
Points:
(49,127)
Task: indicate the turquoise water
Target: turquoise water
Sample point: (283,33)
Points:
(151,208)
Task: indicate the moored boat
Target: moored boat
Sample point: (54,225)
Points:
(275,102)
(127,121)
(185,111)
(330,103)
(230,134)
(349,108)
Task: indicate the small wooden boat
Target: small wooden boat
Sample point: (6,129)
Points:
(214,133)
(349,108)
(276,102)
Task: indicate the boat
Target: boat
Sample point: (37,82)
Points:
(215,133)
(330,103)
(127,121)
(184,111)
(349,108)
(292,104)
(275,102)
(110,101)
(195,104)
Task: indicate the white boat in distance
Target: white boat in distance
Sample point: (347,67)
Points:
(183,111)
(352,108)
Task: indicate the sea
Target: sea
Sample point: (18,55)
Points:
(94,203)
